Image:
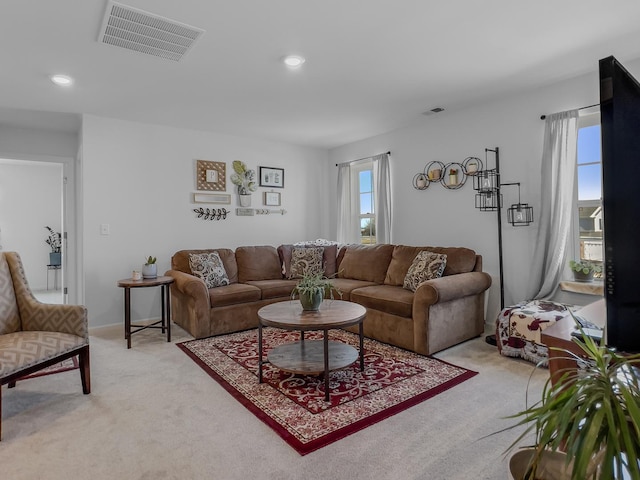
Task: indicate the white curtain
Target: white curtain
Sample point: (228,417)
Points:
(347,226)
(382,186)
(558,202)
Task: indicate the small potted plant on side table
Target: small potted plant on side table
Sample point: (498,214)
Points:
(150,268)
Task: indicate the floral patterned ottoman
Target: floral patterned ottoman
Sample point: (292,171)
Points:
(518,328)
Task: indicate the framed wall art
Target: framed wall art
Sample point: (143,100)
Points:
(221,198)
(211,176)
(272,177)
(272,199)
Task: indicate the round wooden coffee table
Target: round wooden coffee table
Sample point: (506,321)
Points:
(311,357)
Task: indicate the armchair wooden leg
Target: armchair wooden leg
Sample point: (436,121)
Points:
(85,369)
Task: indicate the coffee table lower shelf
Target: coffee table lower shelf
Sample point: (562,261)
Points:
(306,357)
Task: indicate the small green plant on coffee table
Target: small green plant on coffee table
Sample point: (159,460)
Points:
(313,284)
(150,260)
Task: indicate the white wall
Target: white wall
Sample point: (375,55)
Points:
(30,198)
(437,216)
(139,179)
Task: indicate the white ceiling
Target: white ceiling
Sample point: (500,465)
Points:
(372,65)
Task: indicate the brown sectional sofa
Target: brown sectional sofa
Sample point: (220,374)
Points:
(441,313)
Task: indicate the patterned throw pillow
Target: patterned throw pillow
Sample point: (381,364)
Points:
(306,261)
(426,266)
(209,267)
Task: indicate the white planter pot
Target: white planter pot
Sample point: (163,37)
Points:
(150,270)
(245,200)
(551,465)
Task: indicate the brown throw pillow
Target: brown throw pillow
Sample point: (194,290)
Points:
(306,261)
(209,267)
(426,266)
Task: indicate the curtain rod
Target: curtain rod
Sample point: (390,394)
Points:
(363,158)
(542,117)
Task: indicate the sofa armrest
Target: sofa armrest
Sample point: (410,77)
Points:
(191,286)
(451,287)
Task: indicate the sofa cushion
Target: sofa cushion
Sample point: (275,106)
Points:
(233,294)
(385,298)
(209,267)
(346,286)
(329,255)
(180,261)
(426,266)
(306,261)
(21,350)
(274,288)
(258,263)
(459,260)
(366,262)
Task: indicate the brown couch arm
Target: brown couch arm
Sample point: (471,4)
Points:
(190,301)
(448,310)
(450,287)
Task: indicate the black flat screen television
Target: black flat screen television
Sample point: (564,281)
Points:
(620,131)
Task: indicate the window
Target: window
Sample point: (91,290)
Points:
(363,187)
(589,237)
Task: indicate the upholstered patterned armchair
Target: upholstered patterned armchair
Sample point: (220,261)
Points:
(35,335)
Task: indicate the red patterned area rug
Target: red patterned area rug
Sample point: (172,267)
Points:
(294,406)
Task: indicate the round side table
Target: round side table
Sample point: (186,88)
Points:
(165,323)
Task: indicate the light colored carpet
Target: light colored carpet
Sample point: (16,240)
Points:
(154,414)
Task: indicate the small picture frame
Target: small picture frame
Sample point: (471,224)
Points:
(211,176)
(272,199)
(271,177)
(220,198)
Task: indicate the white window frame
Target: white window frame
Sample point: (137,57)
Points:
(356,169)
(586,120)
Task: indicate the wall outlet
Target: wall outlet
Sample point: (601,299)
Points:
(104,229)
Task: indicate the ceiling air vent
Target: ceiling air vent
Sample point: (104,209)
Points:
(144,32)
(433,110)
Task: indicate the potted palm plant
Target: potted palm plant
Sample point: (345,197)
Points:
(587,422)
(312,289)
(54,240)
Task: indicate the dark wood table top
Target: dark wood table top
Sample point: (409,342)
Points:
(332,314)
(145,282)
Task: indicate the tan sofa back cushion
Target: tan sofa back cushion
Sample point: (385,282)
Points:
(365,262)
(459,260)
(258,263)
(180,261)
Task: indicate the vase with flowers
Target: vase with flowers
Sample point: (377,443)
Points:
(245,180)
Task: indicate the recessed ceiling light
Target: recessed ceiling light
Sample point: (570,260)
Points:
(62,80)
(293,61)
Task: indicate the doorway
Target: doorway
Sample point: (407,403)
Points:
(32,198)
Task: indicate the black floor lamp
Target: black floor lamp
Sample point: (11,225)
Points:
(489,199)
